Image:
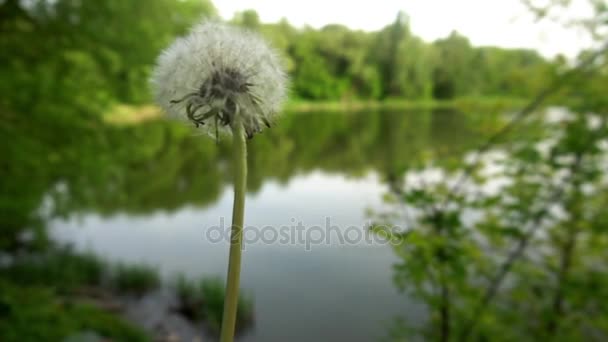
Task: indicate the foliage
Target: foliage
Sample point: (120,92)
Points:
(67,270)
(35,313)
(63,63)
(87,55)
(204,299)
(337,63)
(134,279)
(60,268)
(521,240)
(53,281)
(510,245)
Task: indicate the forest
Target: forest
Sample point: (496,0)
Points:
(110,48)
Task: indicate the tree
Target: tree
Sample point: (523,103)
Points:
(454,72)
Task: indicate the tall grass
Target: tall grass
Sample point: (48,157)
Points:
(61,268)
(203,299)
(134,279)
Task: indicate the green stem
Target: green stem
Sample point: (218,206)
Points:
(236,239)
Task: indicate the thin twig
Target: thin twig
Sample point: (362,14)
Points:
(567,256)
(445,310)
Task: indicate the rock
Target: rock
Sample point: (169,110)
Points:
(153,312)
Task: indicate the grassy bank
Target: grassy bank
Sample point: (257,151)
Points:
(39,300)
(126,115)
(203,299)
(398,104)
(42,313)
(61,293)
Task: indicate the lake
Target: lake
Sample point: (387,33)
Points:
(159,194)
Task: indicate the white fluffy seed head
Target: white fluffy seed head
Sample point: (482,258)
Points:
(218,73)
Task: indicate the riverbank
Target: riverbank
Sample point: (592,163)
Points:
(398,104)
(71,295)
(127,115)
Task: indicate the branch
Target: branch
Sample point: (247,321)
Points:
(527,110)
(496,282)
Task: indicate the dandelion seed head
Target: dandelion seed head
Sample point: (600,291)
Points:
(218,72)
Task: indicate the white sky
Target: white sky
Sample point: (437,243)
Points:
(503,23)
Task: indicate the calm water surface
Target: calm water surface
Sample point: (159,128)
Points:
(312,168)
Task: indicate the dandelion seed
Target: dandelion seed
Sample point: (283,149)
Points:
(218,73)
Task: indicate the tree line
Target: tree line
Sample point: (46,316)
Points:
(335,62)
(81,55)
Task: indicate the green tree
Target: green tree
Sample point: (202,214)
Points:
(454,73)
(248,18)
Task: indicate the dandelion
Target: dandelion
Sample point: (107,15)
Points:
(223,79)
(219,75)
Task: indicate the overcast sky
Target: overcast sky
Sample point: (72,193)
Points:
(503,23)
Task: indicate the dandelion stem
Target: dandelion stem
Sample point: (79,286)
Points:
(236,239)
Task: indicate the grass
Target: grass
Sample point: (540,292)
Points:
(39,297)
(204,300)
(38,313)
(401,104)
(62,269)
(66,270)
(129,115)
(38,302)
(134,279)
